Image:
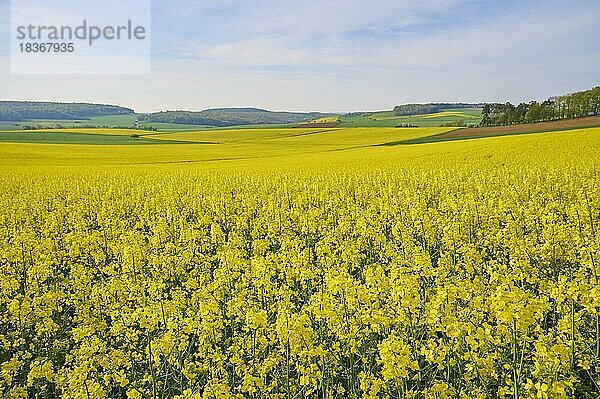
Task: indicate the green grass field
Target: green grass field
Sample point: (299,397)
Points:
(328,119)
(8,126)
(389,119)
(87,136)
(98,121)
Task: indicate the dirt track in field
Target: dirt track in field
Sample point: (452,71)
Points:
(566,124)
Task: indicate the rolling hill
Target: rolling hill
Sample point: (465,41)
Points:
(21,111)
(222,117)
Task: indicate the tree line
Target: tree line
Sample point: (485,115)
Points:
(223,117)
(569,106)
(20,111)
(86,126)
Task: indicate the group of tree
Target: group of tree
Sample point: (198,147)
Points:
(21,111)
(85,126)
(430,108)
(574,105)
(222,117)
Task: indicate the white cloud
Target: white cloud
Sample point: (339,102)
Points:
(541,42)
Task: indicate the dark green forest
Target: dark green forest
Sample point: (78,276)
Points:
(223,117)
(574,105)
(21,111)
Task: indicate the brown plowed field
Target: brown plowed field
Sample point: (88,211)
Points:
(524,128)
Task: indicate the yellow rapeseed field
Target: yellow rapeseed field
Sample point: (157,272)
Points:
(463,269)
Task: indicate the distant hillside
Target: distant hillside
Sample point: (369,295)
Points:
(19,111)
(230,117)
(430,108)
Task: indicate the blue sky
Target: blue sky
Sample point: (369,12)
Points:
(341,55)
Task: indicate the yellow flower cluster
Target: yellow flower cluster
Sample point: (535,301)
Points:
(384,283)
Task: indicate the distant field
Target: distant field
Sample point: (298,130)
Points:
(288,139)
(531,127)
(303,137)
(86,136)
(173,126)
(384,115)
(448,114)
(118,121)
(100,121)
(329,119)
(232,143)
(92,131)
(8,126)
(376,119)
(389,119)
(266,146)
